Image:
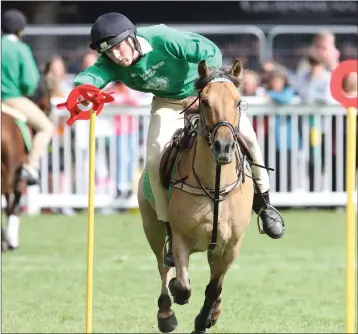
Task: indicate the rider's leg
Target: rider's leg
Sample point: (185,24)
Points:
(272,221)
(44,131)
(165,119)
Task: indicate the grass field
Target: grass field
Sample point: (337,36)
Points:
(295,284)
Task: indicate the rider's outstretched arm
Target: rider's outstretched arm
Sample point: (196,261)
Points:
(99,74)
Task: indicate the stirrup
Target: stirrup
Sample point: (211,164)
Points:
(269,206)
(167,262)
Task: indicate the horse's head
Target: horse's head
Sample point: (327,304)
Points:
(42,95)
(219,99)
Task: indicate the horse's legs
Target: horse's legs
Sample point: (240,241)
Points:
(13,221)
(4,241)
(155,232)
(180,285)
(219,265)
(14,210)
(6,192)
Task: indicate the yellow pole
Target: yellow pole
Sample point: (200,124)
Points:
(91,185)
(351,293)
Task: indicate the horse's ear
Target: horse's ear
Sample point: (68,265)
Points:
(236,69)
(202,69)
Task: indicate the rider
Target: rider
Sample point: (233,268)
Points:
(19,79)
(163,61)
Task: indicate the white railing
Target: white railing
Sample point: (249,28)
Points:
(306,174)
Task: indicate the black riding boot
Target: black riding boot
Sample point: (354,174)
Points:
(30,178)
(168,252)
(272,222)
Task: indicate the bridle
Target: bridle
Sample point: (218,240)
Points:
(204,130)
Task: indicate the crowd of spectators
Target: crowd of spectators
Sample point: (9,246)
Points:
(308,82)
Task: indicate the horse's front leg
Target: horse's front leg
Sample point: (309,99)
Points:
(13,221)
(219,264)
(180,285)
(4,239)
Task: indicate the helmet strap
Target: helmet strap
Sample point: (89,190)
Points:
(137,45)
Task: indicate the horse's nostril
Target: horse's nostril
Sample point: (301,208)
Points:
(217,146)
(227,148)
(233,145)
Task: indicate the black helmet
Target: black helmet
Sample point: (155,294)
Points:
(109,30)
(13,21)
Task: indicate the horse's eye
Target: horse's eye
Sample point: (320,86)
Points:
(205,103)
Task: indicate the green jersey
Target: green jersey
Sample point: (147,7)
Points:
(19,73)
(168,69)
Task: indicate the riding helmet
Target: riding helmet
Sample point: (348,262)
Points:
(13,21)
(110,30)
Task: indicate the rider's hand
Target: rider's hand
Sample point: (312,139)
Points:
(84,105)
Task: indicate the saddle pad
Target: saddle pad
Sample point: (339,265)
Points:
(26,134)
(147,189)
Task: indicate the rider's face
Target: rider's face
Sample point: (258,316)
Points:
(122,54)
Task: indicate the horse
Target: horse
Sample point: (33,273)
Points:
(211,194)
(13,155)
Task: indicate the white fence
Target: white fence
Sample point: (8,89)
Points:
(305,145)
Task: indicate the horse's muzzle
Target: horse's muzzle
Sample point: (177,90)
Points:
(223,150)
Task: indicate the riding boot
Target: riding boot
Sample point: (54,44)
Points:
(168,253)
(30,175)
(272,222)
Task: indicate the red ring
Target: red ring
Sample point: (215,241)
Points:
(336,84)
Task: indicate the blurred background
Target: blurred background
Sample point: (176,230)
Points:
(288,50)
(295,284)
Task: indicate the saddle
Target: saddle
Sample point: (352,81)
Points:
(183,140)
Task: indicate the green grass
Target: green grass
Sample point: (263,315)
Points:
(295,284)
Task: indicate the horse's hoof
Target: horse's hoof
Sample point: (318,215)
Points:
(198,332)
(208,323)
(211,323)
(179,297)
(12,248)
(167,325)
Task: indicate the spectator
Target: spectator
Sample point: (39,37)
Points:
(324,44)
(251,84)
(267,68)
(125,127)
(350,84)
(89,59)
(313,85)
(279,92)
(55,71)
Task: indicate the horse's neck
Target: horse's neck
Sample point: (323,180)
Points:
(205,166)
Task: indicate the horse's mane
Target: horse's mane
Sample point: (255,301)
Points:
(217,73)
